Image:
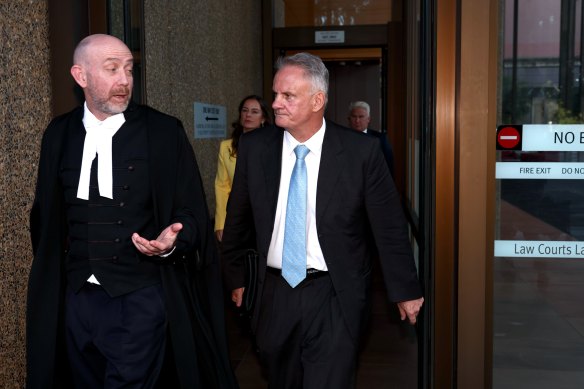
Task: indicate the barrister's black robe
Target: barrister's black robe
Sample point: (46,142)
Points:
(190,276)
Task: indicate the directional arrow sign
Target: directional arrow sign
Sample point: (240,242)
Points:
(210,121)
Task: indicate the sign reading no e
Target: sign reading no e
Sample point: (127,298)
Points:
(541,137)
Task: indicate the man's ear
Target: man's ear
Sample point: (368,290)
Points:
(318,102)
(79,75)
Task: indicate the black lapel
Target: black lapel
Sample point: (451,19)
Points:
(330,168)
(158,150)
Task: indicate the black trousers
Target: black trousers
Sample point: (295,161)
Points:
(115,342)
(302,337)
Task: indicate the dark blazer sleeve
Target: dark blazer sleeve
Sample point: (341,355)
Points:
(385,148)
(358,211)
(239,226)
(177,190)
(189,205)
(390,232)
(193,290)
(45,355)
(357,199)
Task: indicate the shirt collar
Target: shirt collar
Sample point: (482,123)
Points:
(314,144)
(89,119)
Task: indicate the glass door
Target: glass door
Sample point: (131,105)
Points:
(538,270)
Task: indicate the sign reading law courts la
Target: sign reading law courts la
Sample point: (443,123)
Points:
(539,249)
(540,137)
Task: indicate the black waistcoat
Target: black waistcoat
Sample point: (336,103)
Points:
(100,228)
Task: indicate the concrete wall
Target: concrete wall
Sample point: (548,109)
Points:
(25,109)
(205,51)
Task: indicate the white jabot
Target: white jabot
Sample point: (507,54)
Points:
(98,140)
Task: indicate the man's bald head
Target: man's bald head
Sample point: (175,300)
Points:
(102,66)
(95,42)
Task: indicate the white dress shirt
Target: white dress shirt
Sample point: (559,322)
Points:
(314,256)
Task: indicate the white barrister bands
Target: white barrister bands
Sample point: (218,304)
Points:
(98,141)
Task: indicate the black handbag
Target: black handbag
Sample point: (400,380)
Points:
(251,280)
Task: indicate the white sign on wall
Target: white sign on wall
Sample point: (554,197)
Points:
(210,121)
(539,249)
(553,137)
(540,170)
(329,37)
(541,137)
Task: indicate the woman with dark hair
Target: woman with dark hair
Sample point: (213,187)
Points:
(253,113)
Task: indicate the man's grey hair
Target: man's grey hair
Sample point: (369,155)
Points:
(313,67)
(359,104)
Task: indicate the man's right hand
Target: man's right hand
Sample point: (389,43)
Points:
(237,296)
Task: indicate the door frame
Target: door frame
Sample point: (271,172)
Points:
(466,93)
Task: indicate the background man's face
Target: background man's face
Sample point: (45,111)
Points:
(359,119)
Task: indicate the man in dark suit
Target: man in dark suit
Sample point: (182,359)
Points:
(125,278)
(359,119)
(314,191)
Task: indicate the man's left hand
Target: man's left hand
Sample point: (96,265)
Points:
(410,309)
(162,245)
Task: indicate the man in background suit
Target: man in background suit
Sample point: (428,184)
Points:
(307,328)
(359,119)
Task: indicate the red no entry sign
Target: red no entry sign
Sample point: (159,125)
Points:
(509,138)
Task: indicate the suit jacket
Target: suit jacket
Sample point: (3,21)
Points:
(223,182)
(190,275)
(355,197)
(385,147)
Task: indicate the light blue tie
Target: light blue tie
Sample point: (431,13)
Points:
(294,252)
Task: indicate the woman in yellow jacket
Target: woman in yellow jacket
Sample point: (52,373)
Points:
(253,113)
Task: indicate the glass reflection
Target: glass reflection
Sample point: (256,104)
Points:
(538,323)
(333,12)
